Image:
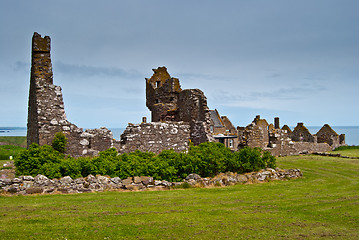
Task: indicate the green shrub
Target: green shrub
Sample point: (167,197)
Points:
(71,167)
(206,159)
(209,158)
(59,142)
(269,160)
(39,160)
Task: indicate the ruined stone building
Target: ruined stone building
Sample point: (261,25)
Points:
(223,130)
(283,141)
(178,117)
(46,113)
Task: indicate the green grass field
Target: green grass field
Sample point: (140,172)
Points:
(9,150)
(17,140)
(15,145)
(351,153)
(324,204)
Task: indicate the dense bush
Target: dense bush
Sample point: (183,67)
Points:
(206,159)
(59,142)
(39,160)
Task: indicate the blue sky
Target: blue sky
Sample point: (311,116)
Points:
(297,60)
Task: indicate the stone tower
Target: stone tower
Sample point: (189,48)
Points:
(168,102)
(46,106)
(161,95)
(46,113)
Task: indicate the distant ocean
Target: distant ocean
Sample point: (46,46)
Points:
(351,132)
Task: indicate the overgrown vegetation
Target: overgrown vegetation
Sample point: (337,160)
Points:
(59,142)
(206,159)
(9,150)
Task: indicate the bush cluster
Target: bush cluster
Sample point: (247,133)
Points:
(206,159)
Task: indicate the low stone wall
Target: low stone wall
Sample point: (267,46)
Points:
(289,148)
(42,185)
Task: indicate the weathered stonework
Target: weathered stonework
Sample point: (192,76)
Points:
(155,137)
(302,134)
(24,185)
(168,102)
(283,142)
(46,113)
(255,134)
(327,135)
(178,116)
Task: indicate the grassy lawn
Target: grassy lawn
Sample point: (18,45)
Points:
(324,204)
(9,150)
(16,140)
(348,153)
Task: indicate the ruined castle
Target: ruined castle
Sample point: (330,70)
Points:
(178,117)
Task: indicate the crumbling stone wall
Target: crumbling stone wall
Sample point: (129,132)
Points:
(255,134)
(168,102)
(40,184)
(46,112)
(285,127)
(161,95)
(327,135)
(283,142)
(302,134)
(155,137)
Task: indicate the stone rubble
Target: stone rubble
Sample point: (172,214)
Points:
(40,184)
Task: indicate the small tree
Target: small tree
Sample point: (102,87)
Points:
(59,142)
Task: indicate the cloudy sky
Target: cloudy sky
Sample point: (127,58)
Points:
(298,60)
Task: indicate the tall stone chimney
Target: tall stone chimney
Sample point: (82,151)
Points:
(46,106)
(276,123)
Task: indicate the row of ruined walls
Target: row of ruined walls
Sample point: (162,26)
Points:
(178,117)
(283,142)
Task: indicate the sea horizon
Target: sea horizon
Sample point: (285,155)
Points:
(351,132)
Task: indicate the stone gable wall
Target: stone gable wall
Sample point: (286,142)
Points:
(255,134)
(327,135)
(302,134)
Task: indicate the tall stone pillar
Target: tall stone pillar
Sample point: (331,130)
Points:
(46,107)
